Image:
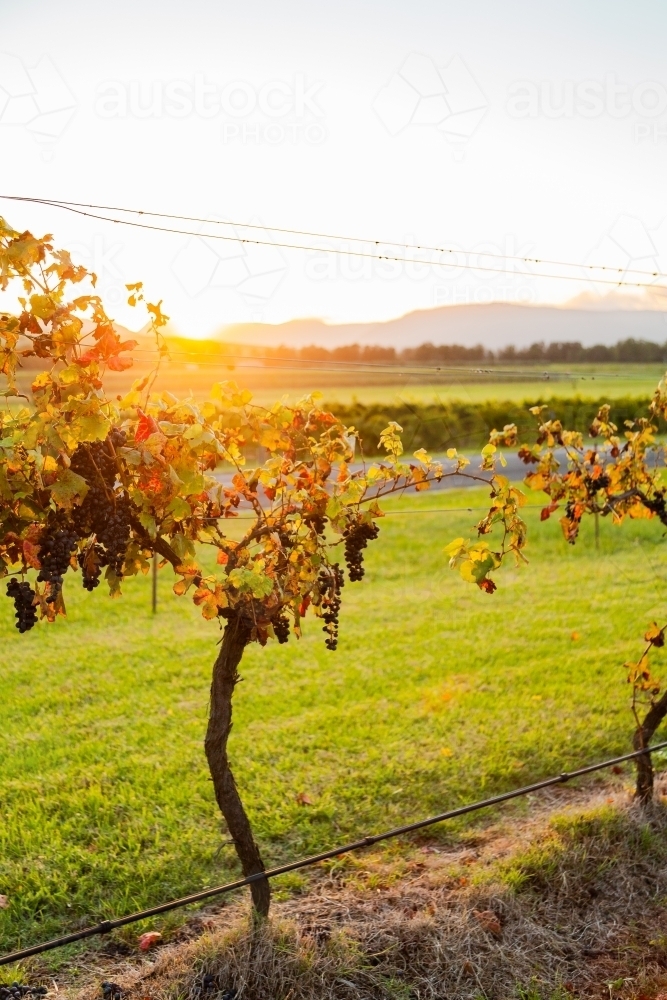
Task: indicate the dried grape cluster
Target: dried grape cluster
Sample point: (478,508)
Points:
(26,613)
(330,585)
(357,536)
(209,984)
(112,991)
(16,991)
(103,512)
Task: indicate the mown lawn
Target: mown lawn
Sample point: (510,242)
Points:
(438,694)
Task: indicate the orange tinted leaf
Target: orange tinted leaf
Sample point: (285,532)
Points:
(654,634)
(31,554)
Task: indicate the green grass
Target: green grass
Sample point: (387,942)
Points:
(413,390)
(608,381)
(438,694)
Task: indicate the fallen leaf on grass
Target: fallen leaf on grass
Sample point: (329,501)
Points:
(147,940)
(488,921)
(4,902)
(303,799)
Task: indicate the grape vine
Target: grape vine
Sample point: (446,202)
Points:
(99,481)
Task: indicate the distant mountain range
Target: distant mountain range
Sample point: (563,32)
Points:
(494,326)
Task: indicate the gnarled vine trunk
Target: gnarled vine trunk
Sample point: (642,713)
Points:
(225,676)
(643,736)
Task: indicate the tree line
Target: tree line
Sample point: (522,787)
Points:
(569,352)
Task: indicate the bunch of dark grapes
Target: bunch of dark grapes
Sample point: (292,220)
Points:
(329,585)
(57,543)
(114,533)
(23,595)
(91,563)
(657,505)
(357,536)
(281,628)
(316,521)
(103,512)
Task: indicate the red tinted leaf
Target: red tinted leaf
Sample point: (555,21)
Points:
(488,586)
(145,427)
(149,940)
(89,356)
(119,364)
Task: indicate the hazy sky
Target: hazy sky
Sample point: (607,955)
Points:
(526,128)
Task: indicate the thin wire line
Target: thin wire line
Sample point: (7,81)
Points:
(359,365)
(346,253)
(106,926)
(57,202)
(388,513)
